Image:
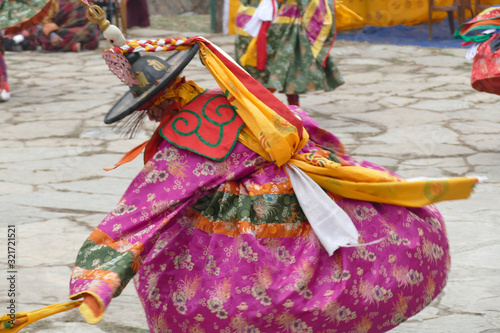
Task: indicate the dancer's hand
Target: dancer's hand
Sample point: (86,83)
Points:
(92,304)
(56,40)
(91,309)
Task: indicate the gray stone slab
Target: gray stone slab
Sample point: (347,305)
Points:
(406,52)
(340,127)
(395,101)
(478,97)
(433,163)
(463,87)
(460,52)
(445,71)
(64,143)
(441,105)
(364,61)
(477,127)
(344,93)
(419,140)
(105,185)
(412,149)
(313,100)
(22,213)
(407,89)
(491,172)
(431,94)
(469,238)
(383,51)
(408,108)
(445,323)
(485,159)
(9,188)
(60,155)
(418,173)
(76,203)
(11,144)
(444,167)
(478,295)
(406,68)
(69,328)
(71,167)
(343,49)
(440,61)
(58,248)
(344,107)
(482,142)
(40,129)
(90,220)
(369,77)
(41,287)
(390,117)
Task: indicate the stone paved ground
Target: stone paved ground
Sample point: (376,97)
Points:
(410,109)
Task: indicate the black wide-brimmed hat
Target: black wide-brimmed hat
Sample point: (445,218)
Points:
(151,75)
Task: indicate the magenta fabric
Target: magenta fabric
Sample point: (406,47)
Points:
(316,22)
(290,10)
(3,66)
(201,270)
(137,13)
(3,69)
(242,20)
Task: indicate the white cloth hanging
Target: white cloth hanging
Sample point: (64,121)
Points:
(332,226)
(266,11)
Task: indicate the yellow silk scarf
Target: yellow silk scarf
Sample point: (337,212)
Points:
(263,125)
(183,91)
(275,139)
(13,323)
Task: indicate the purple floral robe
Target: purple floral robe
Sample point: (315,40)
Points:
(225,247)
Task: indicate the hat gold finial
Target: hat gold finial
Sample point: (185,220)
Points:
(95,14)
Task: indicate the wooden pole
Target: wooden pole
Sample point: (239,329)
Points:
(216,15)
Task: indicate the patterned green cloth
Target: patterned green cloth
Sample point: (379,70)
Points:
(291,67)
(14,12)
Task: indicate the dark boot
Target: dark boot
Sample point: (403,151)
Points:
(293,99)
